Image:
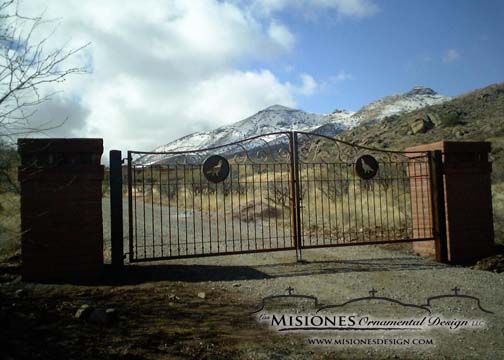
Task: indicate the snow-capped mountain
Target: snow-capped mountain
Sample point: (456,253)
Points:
(272,119)
(337,117)
(416,98)
(280,118)
(340,116)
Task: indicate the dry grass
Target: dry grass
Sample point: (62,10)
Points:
(498,210)
(10,222)
(329,207)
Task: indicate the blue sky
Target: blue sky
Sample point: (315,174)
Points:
(162,69)
(451,46)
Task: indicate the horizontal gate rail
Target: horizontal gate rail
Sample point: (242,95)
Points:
(158,258)
(384,242)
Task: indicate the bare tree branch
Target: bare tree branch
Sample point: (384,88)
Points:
(26,69)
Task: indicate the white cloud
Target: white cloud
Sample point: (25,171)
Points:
(332,83)
(248,90)
(161,69)
(351,8)
(62,115)
(281,35)
(358,8)
(308,85)
(450,56)
(342,75)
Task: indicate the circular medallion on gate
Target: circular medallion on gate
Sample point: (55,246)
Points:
(216,169)
(366,167)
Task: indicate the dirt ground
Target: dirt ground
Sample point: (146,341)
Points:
(161,312)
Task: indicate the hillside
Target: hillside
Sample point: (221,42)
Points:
(416,98)
(478,115)
(280,118)
(272,119)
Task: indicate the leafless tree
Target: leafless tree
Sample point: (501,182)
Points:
(26,66)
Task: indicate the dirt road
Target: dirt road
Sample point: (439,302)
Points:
(201,309)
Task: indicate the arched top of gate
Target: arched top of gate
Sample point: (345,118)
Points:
(273,148)
(322,148)
(260,149)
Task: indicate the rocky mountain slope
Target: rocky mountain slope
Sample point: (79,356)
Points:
(416,98)
(280,118)
(272,119)
(475,116)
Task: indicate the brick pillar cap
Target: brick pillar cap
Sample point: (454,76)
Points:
(454,147)
(59,145)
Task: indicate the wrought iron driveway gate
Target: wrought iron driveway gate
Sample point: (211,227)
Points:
(278,191)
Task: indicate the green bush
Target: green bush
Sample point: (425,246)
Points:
(451,119)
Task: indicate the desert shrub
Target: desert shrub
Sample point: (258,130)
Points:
(451,119)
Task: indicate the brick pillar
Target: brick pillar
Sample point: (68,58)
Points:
(421,202)
(468,200)
(61,209)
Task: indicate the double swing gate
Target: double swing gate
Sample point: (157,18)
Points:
(278,191)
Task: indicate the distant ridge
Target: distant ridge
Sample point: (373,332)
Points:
(417,98)
(282,118)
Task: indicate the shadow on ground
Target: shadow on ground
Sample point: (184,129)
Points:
(136,274)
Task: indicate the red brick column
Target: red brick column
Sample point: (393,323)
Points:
(61,211)
(468,200)
(421,202)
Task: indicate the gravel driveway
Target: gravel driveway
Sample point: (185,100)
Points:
(194,232)
(337,275)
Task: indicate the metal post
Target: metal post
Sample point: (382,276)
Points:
(130,206)
(438,205)
(116,208)
(294,194)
